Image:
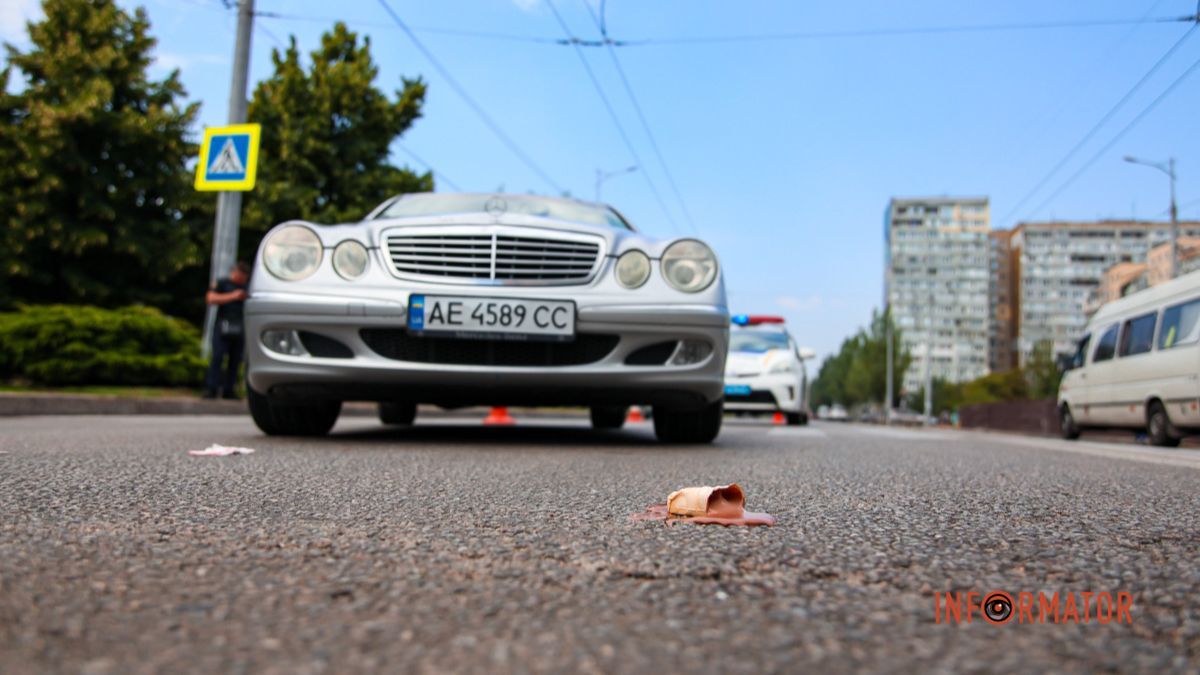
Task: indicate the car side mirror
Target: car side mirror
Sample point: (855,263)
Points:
(806,354)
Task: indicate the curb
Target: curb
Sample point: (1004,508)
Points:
(13,404)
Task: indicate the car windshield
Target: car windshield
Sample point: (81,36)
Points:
(757,342)
(527,205)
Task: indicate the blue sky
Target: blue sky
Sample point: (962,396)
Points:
(785,151)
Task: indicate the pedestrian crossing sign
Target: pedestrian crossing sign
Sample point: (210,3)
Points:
(228,158)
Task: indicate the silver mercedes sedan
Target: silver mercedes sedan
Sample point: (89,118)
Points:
(485,299)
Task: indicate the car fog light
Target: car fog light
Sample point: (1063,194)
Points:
(633,269)
(350,260)
(690,351)
(284,342)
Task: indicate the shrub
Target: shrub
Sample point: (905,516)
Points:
(73,345)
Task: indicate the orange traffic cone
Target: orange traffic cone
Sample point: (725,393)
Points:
(778,418)
(635,415)
(499,415)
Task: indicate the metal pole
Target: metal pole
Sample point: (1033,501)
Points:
(229,204)
(1174,221)
(887,394)
(929,362)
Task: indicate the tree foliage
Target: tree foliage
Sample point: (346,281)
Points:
(857,374)
(326,136)
(1037,380)
(1042,371)
(97,203)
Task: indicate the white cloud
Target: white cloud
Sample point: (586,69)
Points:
(13,16)
(527,5)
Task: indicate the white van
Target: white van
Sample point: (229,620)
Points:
(1138,365)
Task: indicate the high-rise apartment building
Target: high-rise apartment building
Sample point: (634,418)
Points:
(1002,298)
(937,261)
(1059,264)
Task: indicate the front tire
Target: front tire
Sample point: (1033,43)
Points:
(1159,427)
(797,419)
(689,426)
(279,418)
(1066,424)
(397,414)
(608,417)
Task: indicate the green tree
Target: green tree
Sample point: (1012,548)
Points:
(830,385)
(97,199)
(858,372)
(947,396)
(1042,371)
(867,377)
(326,136)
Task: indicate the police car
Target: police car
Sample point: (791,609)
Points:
(765,370)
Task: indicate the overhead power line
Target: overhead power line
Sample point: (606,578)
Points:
(887,32)
(608,41)
(459,32)
(438,174)
(1091,133)
(613,115)
(662,162)
(478,109)
(1113,141)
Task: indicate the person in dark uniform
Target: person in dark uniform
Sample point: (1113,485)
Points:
(229,295)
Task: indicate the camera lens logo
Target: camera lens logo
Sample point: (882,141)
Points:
(998,607)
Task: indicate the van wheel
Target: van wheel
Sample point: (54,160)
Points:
(689,426)
(797,419)
(1066,424)
(1159,427)
(278,418)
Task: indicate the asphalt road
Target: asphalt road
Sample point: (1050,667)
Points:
(452,547)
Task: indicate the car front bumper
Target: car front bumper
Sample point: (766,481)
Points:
(364,373)
(768,393)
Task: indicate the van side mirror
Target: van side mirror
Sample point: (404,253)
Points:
(1064,362)
(806,354)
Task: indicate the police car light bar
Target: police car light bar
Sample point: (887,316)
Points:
(755,319)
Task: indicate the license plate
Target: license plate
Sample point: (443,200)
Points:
(737,390)
(491,318)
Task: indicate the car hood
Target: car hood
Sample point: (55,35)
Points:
(751,363)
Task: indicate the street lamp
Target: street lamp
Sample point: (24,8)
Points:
(602,176)
(1167,167)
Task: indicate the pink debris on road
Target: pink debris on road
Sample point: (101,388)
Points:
(720,505)
(215,450)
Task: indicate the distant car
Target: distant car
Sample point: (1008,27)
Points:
(837,414)
(765,371)
(485,299)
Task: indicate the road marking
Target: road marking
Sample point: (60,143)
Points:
(807,432)
(1138,453)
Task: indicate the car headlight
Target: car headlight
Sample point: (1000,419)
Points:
(292,253)
(689,266)
(633,269)
(780,367)
(350,259)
